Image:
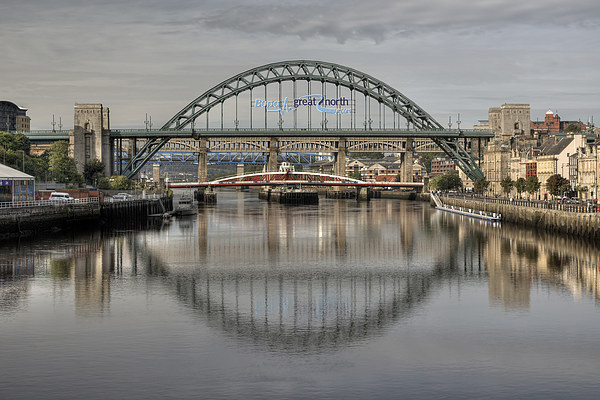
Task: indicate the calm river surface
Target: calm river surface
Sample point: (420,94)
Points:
(344,300)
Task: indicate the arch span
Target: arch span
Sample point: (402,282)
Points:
(307,70)
(419,122)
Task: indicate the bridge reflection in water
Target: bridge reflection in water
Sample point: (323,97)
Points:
(311,278)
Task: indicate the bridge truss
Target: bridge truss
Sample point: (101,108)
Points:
(235,158)
(388,119)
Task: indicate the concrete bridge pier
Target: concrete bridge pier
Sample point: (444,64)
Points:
(272,156)
(239,170)
(202,161)
(90,137)
(339,164)
(363,194)
(407,162)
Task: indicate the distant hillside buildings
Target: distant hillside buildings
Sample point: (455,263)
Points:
(523,148)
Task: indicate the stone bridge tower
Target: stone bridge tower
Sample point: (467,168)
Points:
(90,137)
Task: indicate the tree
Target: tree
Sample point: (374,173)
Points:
(573,128)
(582,189)
(445,182)
(557,185)
(480,185)
(93,171)
(121,183)
(507,185)
(520,185)
(532,184)
(369,155)
(62,166)
(15,142)
(355,175)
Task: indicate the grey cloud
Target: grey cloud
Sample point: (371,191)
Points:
(378,20)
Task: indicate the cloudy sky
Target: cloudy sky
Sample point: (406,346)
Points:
(155,56)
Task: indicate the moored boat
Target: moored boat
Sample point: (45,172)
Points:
(185,206)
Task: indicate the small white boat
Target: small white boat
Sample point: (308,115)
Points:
(472,213)
(466,211)
(185,206)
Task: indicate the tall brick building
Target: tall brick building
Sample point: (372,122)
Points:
(553,124)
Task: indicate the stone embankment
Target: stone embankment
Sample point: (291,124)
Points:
(570,223)
(39,218)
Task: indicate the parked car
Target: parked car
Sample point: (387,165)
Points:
(60,197)
(122,196)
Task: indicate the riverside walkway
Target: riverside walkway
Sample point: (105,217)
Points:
(586,207)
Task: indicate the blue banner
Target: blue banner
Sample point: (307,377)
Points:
(5,183)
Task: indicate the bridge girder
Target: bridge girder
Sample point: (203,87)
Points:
(304,70)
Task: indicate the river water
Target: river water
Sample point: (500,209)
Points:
(344,300)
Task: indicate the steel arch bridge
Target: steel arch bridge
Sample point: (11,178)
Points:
(193,121)
(292,178)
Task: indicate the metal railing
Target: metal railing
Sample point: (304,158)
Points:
(38,203)
(558,205)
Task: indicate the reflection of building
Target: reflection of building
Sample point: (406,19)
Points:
(509,281)
(17,267)
(13,118)
(91,279)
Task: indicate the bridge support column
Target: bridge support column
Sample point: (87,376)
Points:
(90,137)
(407,164)
(272,157)
(363,194)
(156,173)
(339,164)
(239,169)
(202,161)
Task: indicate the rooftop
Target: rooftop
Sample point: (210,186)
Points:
(11,173)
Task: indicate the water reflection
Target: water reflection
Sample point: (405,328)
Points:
(305,278)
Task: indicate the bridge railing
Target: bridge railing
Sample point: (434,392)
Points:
(541,204)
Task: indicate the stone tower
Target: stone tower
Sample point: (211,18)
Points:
(510,119)
(90,137)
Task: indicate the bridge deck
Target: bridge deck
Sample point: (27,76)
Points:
(302,133)
(295,183)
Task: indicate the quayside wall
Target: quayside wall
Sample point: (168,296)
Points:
(39,219)
(581,224)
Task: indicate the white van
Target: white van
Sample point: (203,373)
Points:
(61,197)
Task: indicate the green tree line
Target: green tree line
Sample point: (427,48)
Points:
(55,164)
